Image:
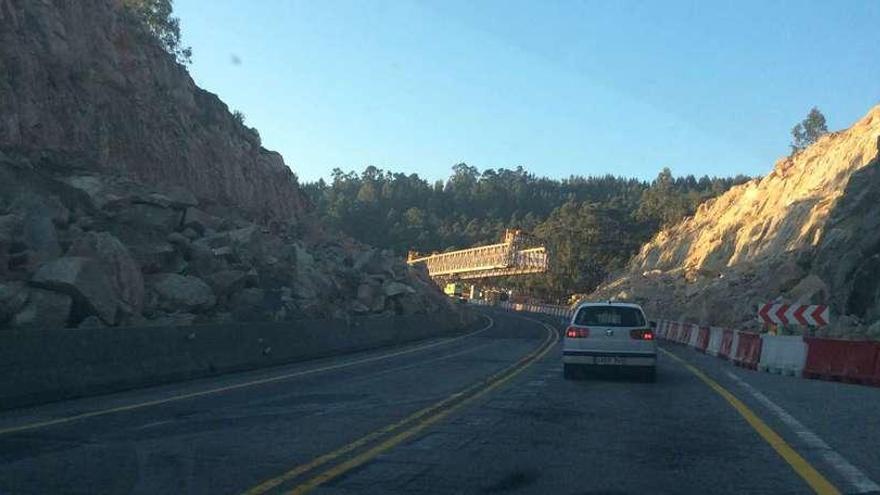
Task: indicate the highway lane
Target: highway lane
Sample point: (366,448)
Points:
(518,427)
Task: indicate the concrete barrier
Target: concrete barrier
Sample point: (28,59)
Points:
(39,366)
(783,354)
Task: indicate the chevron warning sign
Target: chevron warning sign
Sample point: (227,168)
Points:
(794,314)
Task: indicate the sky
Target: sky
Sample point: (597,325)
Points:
(559,87)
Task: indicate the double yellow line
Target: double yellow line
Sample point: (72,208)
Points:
(366,448)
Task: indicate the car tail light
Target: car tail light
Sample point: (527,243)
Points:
(577,332)
(642,334)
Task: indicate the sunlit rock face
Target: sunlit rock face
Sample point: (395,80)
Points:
(807,232)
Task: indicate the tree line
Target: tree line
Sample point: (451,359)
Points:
(591,225)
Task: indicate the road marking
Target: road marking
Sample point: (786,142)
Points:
(419,421)
(252,383)
(800,465)
(855,477)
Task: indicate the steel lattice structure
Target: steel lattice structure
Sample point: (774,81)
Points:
(495,260)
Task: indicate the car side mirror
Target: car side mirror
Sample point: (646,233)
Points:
(653,324)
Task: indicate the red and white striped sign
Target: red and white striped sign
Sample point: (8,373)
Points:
(794,314)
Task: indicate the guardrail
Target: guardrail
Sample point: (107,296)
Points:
(851,361)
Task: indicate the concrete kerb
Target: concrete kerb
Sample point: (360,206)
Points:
(39,366)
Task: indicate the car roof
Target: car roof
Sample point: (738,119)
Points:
(608,303)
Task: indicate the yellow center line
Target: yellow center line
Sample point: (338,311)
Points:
(252,383)
(423,418)
(800,465)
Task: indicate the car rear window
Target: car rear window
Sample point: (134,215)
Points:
(610,316)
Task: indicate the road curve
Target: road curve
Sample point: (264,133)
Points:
(487,413)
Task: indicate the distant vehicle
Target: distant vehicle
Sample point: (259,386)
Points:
(609,334)
(454,289)
(457,291)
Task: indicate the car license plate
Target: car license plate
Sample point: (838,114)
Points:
(610,360)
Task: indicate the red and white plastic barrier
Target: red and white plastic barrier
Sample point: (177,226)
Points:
(809,357)
(714,345)
(783,354)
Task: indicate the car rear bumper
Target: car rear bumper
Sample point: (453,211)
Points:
(640,359)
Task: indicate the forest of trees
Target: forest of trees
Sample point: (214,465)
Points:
(591,225)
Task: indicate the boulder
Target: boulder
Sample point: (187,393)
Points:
(48,206)
(392,289)
(98,193)
(145,216)
(372,261)
(175,292)
(408,304)
(249,242)
(173,197)
(156,257)
(10,228)
(190,234)
(200,221)
(13,296)
(226,282)
(371,296)
(810,290)
(125,275)
(202,261)
(45,309)
(39,236)
(359,308)
(83,279)
(179,240)
(180,197)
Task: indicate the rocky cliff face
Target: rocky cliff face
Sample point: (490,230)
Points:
(129,196)
(82,78)
(805,232)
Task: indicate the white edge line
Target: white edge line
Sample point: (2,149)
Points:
(852,474)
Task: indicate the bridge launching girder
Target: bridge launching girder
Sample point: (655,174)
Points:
(495,260)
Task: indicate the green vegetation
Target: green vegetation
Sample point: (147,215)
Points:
(592,225)
(157,19)
(808,130)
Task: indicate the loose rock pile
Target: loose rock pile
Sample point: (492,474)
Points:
(79,248)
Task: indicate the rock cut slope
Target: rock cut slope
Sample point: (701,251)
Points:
(81,78)
(129,196)
(808,231)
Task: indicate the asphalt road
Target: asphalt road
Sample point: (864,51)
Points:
(486,413)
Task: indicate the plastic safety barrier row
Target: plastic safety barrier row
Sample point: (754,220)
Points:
(849,361)
(809,357)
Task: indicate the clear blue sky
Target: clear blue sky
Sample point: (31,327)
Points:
(560,87)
